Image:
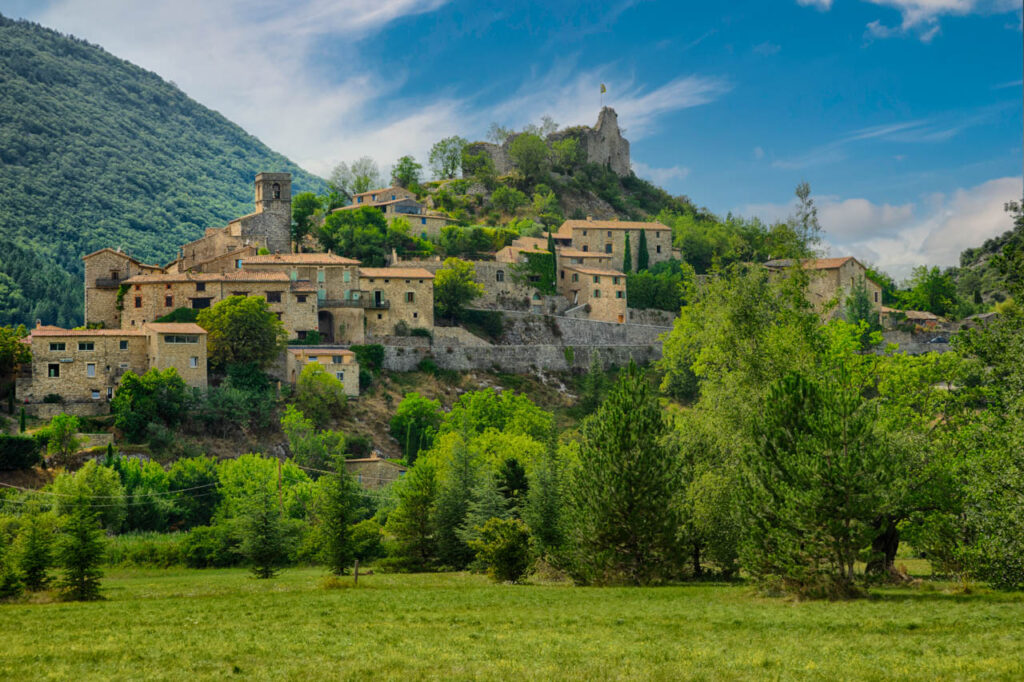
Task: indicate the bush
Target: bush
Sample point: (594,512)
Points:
(146,550)
(504,548)
(319,395)
(180,315)
(421,332)
(19,452)
(489,322)
(369,357)
(367,539)
(210,547)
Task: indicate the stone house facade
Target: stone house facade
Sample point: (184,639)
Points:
(602,291)
(339,362)
(105,272)
(397,295)
(831,281)
(396,202)
(608,237)
(374,472)
(85,366)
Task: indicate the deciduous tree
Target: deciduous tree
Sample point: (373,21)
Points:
(455,286)
(241,330)
(446,157)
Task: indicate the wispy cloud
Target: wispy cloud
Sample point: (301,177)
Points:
(823,5)
(660,176)
(921,18)
(259,63)
(898,237)
(766,49)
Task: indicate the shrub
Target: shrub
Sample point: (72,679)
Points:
(319,395)
(421,332)
(210,547)
(149,550)
(180,315)
(503,547)
(369,357)
(367,539)
(19,452)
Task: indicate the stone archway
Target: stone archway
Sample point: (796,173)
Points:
(325,325)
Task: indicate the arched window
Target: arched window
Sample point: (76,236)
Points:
(277,191)
(500,276)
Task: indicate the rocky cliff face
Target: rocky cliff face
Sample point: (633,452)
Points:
(603,144)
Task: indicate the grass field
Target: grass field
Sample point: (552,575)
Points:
(183,624)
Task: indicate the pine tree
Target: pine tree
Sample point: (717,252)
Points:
(594,385)
(623,523)
(412,522)
(35,551)
(263,535)
(335,510)
(544,503)
(643,258)
(627,256)
(11,584)
(487,503)
(80,553)
(453,501)
(513,484)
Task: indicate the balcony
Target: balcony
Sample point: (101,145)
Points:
(108,283)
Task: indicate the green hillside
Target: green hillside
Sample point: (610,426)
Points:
(94,152)
(977,277)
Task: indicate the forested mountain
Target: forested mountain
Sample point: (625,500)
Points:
(977,277)
(94,152)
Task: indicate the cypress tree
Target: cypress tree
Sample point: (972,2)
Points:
(35,555)
(643,259)
(412,521)
(627,256)
(513,484)
(623,520)
(453,501)
(263,535)
(554,260)
(80,554)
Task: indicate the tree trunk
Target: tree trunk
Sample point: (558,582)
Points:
(697,570)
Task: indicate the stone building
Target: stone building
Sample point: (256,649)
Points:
(603,144)
(269,226)
(149,297)
(396,202)
(105,272)
(601,291)
(85,366)
(374,472)
(339,362)
(397,295)
(609,237)
(831,282)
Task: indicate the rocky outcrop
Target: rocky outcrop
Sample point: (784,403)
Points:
(603,144)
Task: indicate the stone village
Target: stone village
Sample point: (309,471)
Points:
(345,303)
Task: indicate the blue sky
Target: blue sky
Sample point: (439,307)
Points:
(904,115)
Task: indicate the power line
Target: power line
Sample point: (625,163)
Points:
(97,497)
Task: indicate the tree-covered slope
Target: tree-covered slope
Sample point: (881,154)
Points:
(977,277)
(94,152)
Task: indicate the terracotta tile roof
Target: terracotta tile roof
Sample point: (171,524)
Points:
(303,285)
(313,350)
(576,253)
(228,254)
(527,243)
(58,331)
(377,204)
(238,276)
(912,314)
(174,327)
(811,263)
(121,253)
(397,273)
(382,190)
(589,270)
(300,259)
(569,225)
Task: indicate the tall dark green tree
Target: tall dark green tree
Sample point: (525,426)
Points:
(305,205)
(80,552)
(35,550)
(262,530)
(454,497)
(544,512)
(623,522)
(335,509)
(412,522)
(242,330)
(859,308)
(406,172)
(513,484)
(643,258)
(627,255)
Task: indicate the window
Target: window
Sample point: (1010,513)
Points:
(168,301)
(658,248)
(561,274)
(380,316)
(586,248)
(597,293)
(615,280)
(876,297)
(618,294)
(273,297)
(423,221)
(359,200)
(415,316)
(278,315)
(90,370)
(320,275)
(193,362)
(293,275)
(609,233)
(312,358)
(239,293)
(138,301)
(86,345)
(181,338)
(95,395)
(607,248)
(584,233)
(138,287)
(277,191)
(200,303)
(346,276)
(393,197)
(200,286)
(341,376)
(110,392)
(53,370)
(238,263)
(409,297)
(301,334)
(373,197)
(575,277)
(597,280)
(123,345)
(58,346)
(300,298)
(499,276)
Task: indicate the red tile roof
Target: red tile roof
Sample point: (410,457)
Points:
(589,270)
(397,273)
(43,332)
(174,327)
(565,231)
(300,259)
(237,276)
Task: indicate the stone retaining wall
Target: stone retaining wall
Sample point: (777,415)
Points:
(518,358)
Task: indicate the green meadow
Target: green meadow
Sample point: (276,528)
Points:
(188,624)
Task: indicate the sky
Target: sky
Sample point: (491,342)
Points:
(905,116)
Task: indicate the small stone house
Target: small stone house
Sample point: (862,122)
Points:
(609,237)
(84,366)
(601,290)
(338,361)
(374,472)
(397,295)
(396,202)
(832,280)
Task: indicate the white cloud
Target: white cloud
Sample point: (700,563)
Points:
(758,153)
(921,17)
(897,238)
(822,5)
(767,49)
(257,62)
(660,176)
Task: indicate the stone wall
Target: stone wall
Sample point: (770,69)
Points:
(915,344)
(517,359)
(650,316)
(527,328)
